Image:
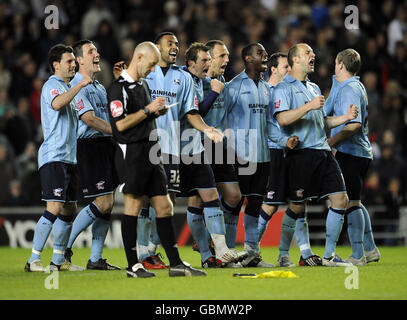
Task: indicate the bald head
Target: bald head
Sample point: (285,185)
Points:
(145,57)
(147,48)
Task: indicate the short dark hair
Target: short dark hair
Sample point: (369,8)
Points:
(77,47)
(292,52)
(162,34)
(247,50)
(212,43)
(56,52)
(350,59)
(273,60)
(192,52)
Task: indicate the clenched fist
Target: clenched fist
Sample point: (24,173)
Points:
(292,142)
(353,112)
(86,80)
(118,68)
(317,103)
(214,134)
(217,85)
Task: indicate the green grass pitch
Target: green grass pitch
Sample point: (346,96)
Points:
(386,279)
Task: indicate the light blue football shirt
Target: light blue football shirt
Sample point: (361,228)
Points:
(59,127)
(291,94)
(343,94)
(190,137)
(177,87)
(216,116)
(91,98)
(247,106)
(273,122)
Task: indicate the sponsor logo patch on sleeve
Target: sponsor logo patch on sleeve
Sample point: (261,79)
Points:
(116,108)
(54,92)
(196,104)
(80,105)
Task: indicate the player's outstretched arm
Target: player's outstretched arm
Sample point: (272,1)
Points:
(198,123)
(65,98)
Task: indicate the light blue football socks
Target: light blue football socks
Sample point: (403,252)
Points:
(41,234)
(368,238)
(356,229)
(143,233)
(197,226)
(302,236)
(334,223)
(62,229)
(288,225)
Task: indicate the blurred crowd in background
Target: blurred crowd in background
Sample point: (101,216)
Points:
(117,26)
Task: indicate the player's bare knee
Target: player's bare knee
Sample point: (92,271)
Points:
(209,195)
(353,203)
(132,206)
(105,204)
(233,198)
(297,208)
(54,207)
(69,209)
(195,201)
(164,210)
(339,200)
(269,209)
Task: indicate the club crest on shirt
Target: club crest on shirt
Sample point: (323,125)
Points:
(58,192)
(300,193)
(277,104)
(100,185)
(116,108)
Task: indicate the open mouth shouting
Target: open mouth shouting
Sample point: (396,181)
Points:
(96,63)
(173,55)
(312,64)
(264,63)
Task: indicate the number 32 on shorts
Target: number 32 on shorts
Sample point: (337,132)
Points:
(174,176)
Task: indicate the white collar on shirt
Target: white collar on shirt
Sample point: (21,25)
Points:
(128,78)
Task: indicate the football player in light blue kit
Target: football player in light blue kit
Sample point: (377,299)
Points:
(201,177)
(57,159)
(167,80)
(214,114)
(247,99)
(354,152)
(278,67)
(298,108)
(98,178)
(177,86)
